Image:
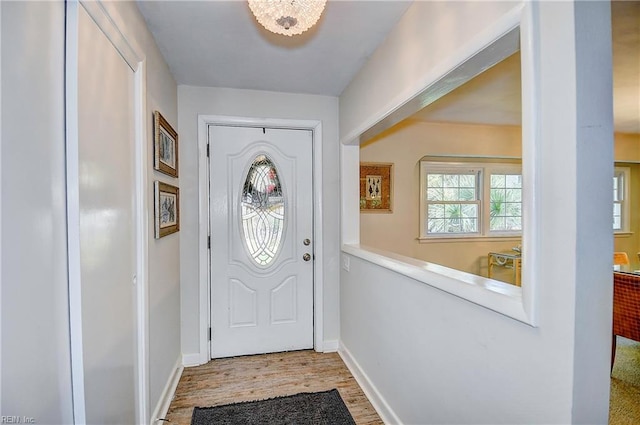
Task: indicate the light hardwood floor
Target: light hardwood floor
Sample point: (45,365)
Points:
(231,380)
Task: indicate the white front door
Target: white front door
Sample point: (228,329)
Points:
(261,215)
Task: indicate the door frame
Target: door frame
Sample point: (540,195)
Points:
(315,126)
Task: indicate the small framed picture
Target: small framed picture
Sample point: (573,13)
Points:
(376,187)
(167,209)
(165,146)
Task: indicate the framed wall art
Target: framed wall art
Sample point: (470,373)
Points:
(376,187)
(165,146)
(167,209)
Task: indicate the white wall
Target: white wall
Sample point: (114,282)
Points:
(36,373)
(193,101)
(435,358)
(164,255)
(36,377)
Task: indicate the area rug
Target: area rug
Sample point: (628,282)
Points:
(305,408)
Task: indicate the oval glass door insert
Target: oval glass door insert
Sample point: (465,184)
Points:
(262,209)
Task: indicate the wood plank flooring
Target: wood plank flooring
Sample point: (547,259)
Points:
(231,380)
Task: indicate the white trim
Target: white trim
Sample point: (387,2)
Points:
(192,359)
(378,402)
(130,52)
(482,50)
(73,212)
(142,243)
(0,210)
(161,409)
(330,346)
(204,121)
(530,76)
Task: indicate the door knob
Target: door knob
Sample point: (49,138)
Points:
(306,257)
(306,242)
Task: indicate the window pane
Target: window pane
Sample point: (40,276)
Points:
(435,194)
(513,195)
(498,180)
(617,223)
(451,195)
(470,210)
(451,180)
(513,223)
(434,180)
(514,209)
(513,181)
(436,226)
(469,225)
(435,210)
(262,211)
(468,180)
(497,223)
(467,194)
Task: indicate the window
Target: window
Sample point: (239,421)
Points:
(620,204)
(505,195)
(470,199)
(262,211)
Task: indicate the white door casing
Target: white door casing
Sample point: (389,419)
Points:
(265,305)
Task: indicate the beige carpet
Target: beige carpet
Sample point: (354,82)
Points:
(624,406)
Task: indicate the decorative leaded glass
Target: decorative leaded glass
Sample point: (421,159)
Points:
(262,209)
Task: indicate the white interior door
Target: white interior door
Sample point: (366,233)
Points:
(261,215)
(106,228)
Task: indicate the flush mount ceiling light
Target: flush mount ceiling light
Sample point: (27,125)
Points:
(287,17)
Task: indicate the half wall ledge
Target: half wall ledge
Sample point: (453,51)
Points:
(497,296)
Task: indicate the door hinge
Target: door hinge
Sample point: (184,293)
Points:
(208,242)
(207,150)
(209,334)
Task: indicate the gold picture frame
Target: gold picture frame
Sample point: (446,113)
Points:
(376,187)
(165,146)
(166,209)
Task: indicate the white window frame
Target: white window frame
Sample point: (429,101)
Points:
(624,174)
(484,170)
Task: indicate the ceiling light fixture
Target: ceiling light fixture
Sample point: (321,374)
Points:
(287,17)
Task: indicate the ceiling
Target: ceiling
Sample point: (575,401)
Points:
(220,44)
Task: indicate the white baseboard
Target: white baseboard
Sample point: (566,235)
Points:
(168,392)
(378,402)
(330,346)
(193,359)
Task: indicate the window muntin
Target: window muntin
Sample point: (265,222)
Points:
(470,199)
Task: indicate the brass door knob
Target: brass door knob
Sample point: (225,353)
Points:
(306,257)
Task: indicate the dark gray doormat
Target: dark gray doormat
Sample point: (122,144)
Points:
(305,408)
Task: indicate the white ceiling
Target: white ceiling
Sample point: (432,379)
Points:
(220,44)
